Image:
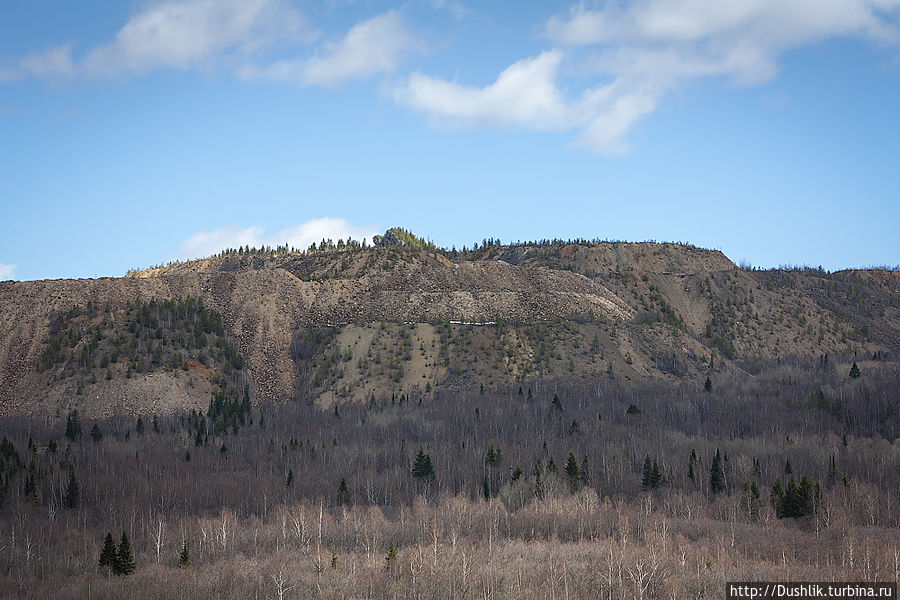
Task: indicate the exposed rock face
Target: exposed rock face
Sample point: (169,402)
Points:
(264,302)
(388,240)
(660,298)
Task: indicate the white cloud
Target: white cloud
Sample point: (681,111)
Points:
(637,52)
(208,243)
(238,35)
(526,95)
(371,47)
(53,63)
(523,94)
(186,34)
(7,271)
(180,34)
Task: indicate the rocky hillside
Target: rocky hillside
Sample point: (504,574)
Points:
(403,318)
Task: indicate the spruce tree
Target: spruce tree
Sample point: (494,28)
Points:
(73,426)
(73,491)
(124,558)
(422,467)
(109,556)
(707,386)
(647,473)
(343,494)
(717,474)
(854,371)
(777,497)
(572,472)
(184,559)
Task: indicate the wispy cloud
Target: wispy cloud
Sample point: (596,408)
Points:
(7,271)
(208,243)
(374,46)
(247,37)
(638,52)
(186,34)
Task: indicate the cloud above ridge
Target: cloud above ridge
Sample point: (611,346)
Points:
(634,54)
(301,236)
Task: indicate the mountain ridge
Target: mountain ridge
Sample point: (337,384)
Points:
(639,311)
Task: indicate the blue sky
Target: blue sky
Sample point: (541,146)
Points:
(133,133)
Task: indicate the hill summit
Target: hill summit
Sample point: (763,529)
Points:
(346,321)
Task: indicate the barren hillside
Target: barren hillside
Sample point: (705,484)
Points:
(409,320)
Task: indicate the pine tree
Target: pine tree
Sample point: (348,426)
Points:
(572,472)
(290,478)
(707,386)
(493,457)
(556,403)
(108,556)
(854,371)
(73,491)
(184,559)
(125,557)
(422,467)
(691,462)
(777,497)
(73,426)
(485,488)
(647,473)
(96,434)
(343,494)
(717,474)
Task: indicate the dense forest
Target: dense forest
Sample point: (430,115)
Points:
(599,488)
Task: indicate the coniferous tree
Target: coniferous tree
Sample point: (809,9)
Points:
(854,371)
(777,497)
(493,457)
(753,500)
(647,473)
(691,462)
(572,472)
(30,484)
(139,426)
(717,474)
(96,434)
(109,555)
(124,557)
(73,491)
(485,488)
(343,494)
(422,467)
(184,559)
(290,478)
(73,426)
(707,386)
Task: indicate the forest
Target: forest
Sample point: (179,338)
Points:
(547,489)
